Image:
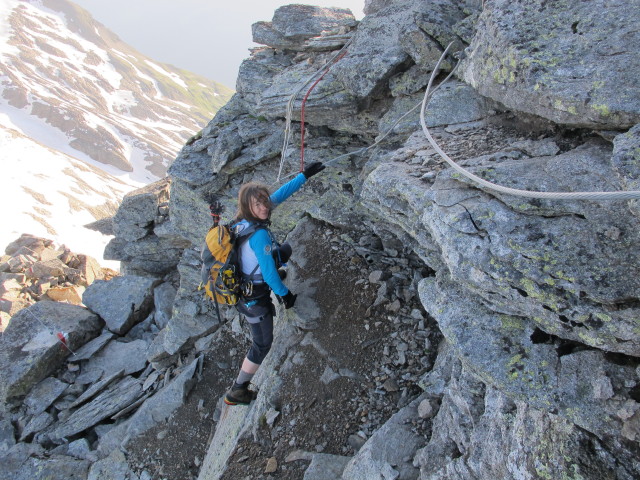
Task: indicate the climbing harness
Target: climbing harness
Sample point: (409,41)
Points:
(620,195)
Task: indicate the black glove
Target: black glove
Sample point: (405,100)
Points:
(288,300)
(311,170)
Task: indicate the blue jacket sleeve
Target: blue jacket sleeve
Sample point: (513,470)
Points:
(288,189)
(260,243)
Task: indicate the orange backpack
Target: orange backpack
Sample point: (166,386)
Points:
(221,271)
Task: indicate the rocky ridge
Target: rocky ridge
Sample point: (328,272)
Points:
(442,330)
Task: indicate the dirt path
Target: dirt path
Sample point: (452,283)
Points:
(335,395)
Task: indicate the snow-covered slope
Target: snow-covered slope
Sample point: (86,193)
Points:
(53,195)
(73,97)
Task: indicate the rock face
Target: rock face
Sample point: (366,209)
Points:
(142,241)
(290,28)
(76,381)
(581,73)
(392,39)
(550,270)
(489,336)
(36,342)
(135,299)
(536,299)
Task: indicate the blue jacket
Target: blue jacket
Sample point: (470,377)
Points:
(258,250)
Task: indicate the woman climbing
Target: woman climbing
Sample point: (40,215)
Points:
(261,259)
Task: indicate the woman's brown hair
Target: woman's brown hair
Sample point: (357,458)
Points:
(248,192)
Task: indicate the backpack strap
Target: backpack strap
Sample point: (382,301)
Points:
(243,237)
(247,232)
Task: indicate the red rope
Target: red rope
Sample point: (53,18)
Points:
(304,101)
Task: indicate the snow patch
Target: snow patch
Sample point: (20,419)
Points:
(6,9)
(122,100)
(51,24)
(58,213)
(176,78)
(41,132)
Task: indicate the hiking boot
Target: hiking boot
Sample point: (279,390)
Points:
(282,273)
(240,395)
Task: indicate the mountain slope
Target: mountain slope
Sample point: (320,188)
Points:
(116,106)
(69,85)
(53,195)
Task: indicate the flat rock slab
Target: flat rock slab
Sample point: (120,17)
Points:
(36,424)
(293,24)
(163,297)
(454,103)
(44,394)
(92,347)
(130,357)
(325,467)
(225,438)
(97,388)
(30,349)
(27,243)
(115,466)
(121,302)
(7,435)
(162,405)
(139,209)
(383,455)
(108,403)
(55,467)
(51,268)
